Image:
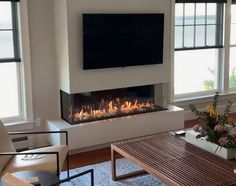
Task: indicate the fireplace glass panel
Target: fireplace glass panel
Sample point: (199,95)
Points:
(106,104)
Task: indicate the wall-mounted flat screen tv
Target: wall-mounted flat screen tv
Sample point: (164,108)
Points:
(121,40)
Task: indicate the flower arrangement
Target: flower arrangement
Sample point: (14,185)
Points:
(215,127)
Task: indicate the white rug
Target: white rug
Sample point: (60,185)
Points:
(102,175)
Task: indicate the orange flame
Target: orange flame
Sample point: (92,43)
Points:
(112,108)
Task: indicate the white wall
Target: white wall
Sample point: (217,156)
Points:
(43,60)
(61,42)
(90,80)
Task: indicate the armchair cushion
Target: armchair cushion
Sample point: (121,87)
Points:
(46,162)
(6,145)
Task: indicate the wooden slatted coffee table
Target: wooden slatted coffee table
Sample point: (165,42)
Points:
(174,161)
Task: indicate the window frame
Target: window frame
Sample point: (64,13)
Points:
(225,92)
(23,70)
(220,84)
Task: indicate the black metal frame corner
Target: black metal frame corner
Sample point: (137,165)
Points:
(31,153)
(91,171)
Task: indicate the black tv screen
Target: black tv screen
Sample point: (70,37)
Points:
(121,40)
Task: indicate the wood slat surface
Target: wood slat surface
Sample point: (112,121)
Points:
(175,161)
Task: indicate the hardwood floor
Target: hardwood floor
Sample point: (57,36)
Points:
(101,155)
(91,157)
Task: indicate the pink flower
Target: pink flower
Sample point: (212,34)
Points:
(233,132)
(219,128)
(196,128)
(223,141)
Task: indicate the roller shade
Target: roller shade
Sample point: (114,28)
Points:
(11,0)
(9,32)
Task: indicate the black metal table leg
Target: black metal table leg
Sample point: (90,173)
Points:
(91,171)
(92,177)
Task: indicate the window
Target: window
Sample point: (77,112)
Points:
(232,66)
(11,99)
(198,47)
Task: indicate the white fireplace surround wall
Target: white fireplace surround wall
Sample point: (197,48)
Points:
(69,46)
(92,134)
(73,79)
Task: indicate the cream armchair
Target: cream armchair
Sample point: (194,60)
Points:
(49,158)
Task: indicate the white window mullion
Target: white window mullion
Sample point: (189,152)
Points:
(26,77)
(225,70)
(20,88)
(220,70)
(172,52)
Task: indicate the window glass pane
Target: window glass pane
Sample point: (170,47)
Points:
(233,14)
(211,35)
(188,36)
(233,25)
(5,15)
(6,44)
(232,68)
(8,90)
(211,13)
(178,37)
(189,14)
(179,14)
(200,36)
(200,13)
(233,34)
(195,71)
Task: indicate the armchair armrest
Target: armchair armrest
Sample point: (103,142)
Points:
(41,132)
(32,153)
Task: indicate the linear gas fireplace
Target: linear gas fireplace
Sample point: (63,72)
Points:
(106,104)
